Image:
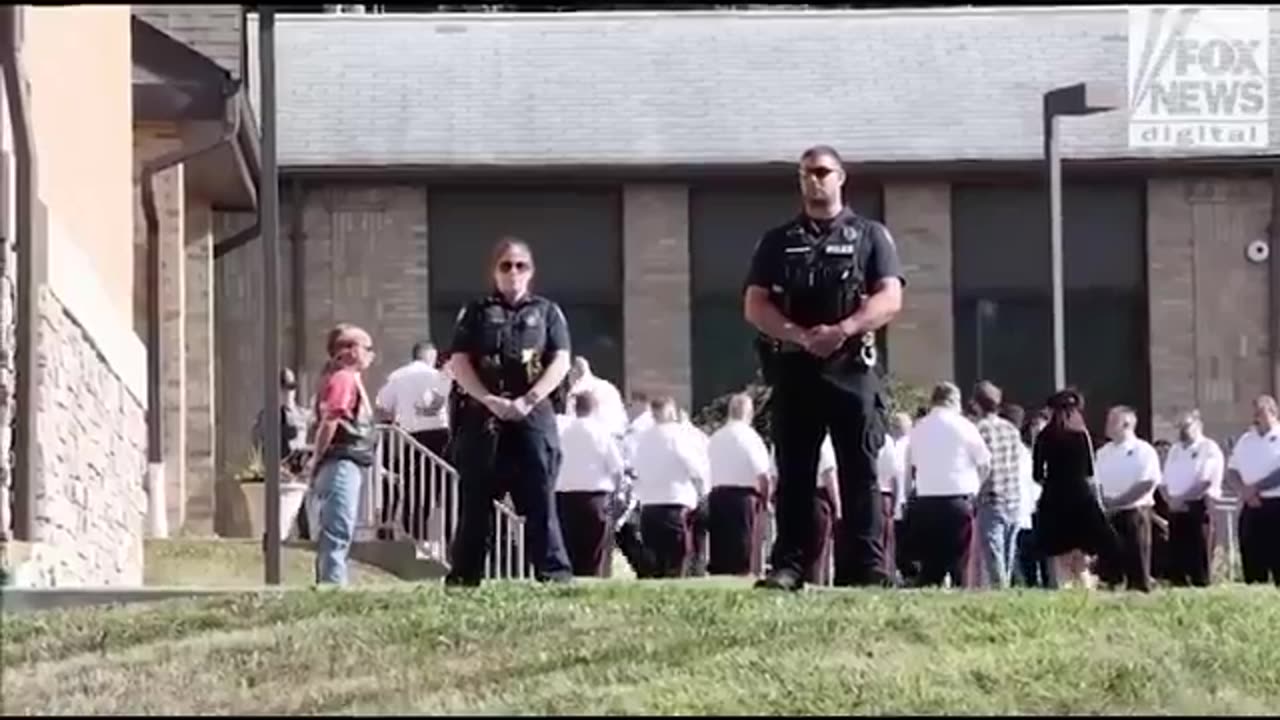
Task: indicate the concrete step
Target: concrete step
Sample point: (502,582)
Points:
(405,559)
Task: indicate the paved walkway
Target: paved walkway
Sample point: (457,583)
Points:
(16,600)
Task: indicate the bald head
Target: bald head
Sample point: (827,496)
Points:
(741,408)
(579,368)
(664,409)
(1264,413)
(899,425)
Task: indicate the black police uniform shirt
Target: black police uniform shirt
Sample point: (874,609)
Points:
(816,261)
(511,344)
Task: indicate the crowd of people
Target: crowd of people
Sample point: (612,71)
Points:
(977,494)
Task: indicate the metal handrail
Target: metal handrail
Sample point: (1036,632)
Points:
(408,478)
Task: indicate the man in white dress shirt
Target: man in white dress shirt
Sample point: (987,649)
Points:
(1193,473)
(891,473)
(739,462)
(671,479)
(415,397)
(826,515)
(700,518)
(1127,470)
(948,460)
(590,470)
(1255,473)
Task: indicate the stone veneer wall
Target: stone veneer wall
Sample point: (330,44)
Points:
(8,379)
(91,504)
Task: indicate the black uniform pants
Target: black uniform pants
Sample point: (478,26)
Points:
(1033,567)
(523,460)
(1260,542)
(1190,557)
(699,540)
(942,528)
(733,514)
(630,543)
(667,540)
(1131,563)
(585,526)
(805,407)
(824,529)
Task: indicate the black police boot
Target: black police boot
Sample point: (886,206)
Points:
(555,579)
(783,579)
(451,581)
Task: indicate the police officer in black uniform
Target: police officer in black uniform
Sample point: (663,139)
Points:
(818,289)
(510,353)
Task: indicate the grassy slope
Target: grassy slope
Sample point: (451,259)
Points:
(628,647)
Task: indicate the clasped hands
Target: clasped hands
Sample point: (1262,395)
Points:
(822,340)
(511,410)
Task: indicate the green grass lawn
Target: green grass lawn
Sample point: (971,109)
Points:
(683,647)
(236,563)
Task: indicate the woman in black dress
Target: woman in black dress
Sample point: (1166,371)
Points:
(1072,524)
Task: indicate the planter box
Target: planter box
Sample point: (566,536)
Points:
(291,497)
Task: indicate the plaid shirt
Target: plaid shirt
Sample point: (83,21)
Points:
(1001,489)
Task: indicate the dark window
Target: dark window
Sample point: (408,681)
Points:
(1003,308)
(725,220)
(569,230)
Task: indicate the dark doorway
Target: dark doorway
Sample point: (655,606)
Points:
(576,237)
(1003,297)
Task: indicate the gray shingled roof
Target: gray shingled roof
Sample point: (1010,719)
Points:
(656,88)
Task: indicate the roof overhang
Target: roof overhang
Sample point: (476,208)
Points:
(175,85)
(956,170)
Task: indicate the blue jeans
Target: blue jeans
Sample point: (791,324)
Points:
(338,493)
(998,535)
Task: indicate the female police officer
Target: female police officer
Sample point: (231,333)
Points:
(510,352)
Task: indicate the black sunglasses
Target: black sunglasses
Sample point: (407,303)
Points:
(507,266)
(819,172)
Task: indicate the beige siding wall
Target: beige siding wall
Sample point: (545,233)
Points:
(83,126)
(90,455)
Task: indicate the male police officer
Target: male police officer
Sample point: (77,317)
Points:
(818,289)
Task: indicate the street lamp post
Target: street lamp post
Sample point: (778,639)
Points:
(1070,100)
(269,216)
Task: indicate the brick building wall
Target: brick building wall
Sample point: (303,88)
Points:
(170,195)
(918,215)
(200,350)
(238,365)
(655,301)
(364,255)
(1209,314)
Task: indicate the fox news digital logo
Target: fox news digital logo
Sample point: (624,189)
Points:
(1198,77)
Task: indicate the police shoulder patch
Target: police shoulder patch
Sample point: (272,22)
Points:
(884,233)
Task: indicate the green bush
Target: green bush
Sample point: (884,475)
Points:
(901,397)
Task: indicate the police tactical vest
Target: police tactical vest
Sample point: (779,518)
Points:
(824,278)
(513,343)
